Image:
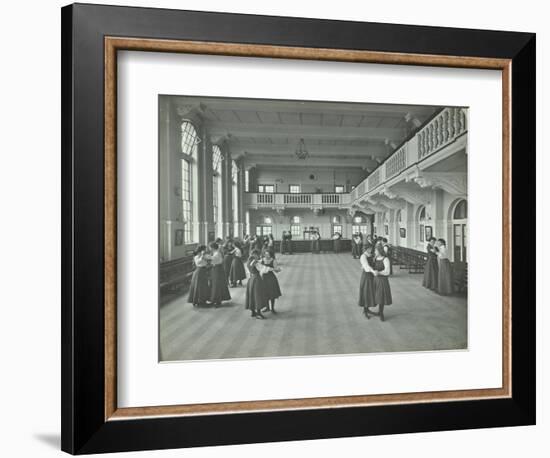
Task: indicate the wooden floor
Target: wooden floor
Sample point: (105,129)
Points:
(317,315)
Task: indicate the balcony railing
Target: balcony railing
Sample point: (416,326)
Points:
(442,130)
(296,200)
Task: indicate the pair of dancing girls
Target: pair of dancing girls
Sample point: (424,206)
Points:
(209,281)
(374,287)
(263,287)
(438,273)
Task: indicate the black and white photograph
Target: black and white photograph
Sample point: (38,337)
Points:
(311,228)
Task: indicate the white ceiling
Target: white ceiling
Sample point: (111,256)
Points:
(336,134)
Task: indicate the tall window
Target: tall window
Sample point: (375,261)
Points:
(294,189)
(246,181)
(235,188)
(247,222)
(217,188)
(421,223)
(295,228)
(265,228)
(189,141)
(336,224)
(460,231)
(359,225)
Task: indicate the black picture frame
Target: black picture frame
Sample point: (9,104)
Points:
(85,428)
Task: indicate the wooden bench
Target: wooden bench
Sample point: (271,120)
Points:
(175,277)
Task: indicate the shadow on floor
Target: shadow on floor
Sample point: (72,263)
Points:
(52,440)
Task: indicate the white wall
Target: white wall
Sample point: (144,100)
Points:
(30,239)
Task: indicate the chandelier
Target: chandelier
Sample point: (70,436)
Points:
(301,152)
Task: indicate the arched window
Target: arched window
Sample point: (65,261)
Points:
(295,220)
(398,216)
(359,225)
(336,221)
(265,227)
(189,142)
(421,223)
(217,188)
(460,232)
(461,210)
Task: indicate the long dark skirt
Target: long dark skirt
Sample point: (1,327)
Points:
(445,281)
(199,291)
(336,245)
(431,273)
(356,250)
(272,290)
(237,272)
(315,246)
(255,299)
(218,285)
(366,290)
(227,261)
(382,290)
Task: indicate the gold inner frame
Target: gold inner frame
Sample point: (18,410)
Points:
(114,44)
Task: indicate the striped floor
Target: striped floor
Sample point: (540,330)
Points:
(317,315)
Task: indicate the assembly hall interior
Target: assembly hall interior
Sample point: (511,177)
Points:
(317,184)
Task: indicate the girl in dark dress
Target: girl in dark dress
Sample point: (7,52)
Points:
(237,273)
(356,245)
(199,291)
(382,290)
(270,245)
(366,285)
(315,243)
(336,242)
(431,268)
(218,282)
(270,282)
(445,284)
(255,299)
(227,258)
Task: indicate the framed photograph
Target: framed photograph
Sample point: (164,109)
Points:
(161,339)
(179,237)
(429,232)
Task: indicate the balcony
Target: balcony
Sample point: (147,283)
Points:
(439,138)
(312,201)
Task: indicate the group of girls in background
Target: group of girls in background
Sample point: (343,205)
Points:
(438,273)
(374,286)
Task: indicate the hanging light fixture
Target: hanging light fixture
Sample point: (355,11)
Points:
(301,150)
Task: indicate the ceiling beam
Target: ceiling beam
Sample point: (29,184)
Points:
(295,132)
